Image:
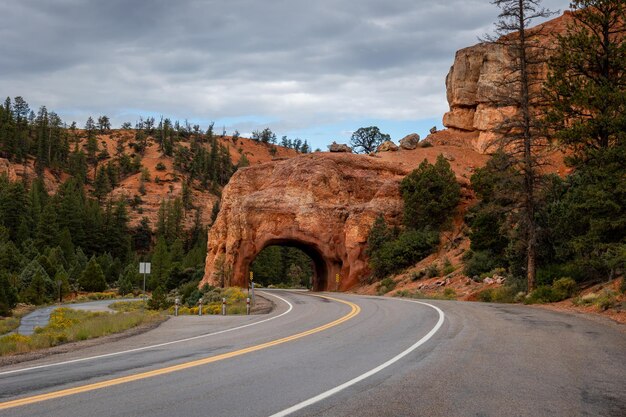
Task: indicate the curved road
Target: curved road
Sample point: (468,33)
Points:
(345,356)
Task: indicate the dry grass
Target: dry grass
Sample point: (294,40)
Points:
(67,325)
(8,324)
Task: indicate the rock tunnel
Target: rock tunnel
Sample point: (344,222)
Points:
(323,204)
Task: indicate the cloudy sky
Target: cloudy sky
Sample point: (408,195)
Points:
(317,70)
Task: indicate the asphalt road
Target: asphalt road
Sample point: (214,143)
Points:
(41,316)
(465,359)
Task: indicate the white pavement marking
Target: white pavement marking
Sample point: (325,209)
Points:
(369,373)
(89,358)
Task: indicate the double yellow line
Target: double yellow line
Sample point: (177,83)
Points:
(355,309)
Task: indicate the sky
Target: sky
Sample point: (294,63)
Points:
(316,70)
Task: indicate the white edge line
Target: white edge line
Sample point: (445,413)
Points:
(89,358)
(369,373)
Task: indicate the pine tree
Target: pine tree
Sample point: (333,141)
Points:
(47,228)
(160,264)
(587,80)
(92,278)
(430,195)
(520,90)
(102,184)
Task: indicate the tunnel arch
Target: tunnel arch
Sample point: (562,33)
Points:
(322,203)
(321,278)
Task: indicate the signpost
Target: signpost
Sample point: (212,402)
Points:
(144,268)
(251,287)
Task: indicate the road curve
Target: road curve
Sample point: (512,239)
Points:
(482,360)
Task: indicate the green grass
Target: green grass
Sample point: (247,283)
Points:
(67,325)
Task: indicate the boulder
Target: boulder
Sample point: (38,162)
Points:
(339,147)
(410,142)
(387,146)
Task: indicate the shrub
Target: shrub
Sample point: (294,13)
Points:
(431,195)
(498,295)
(432,271)
(386,285)
(480,262)
(606,300)
(449,294)
(402,293)
(160,166)
(418,275)
(448,268)
(159,300)
(564,288)
(410,247)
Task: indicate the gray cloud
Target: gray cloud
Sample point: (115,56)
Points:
(296,62)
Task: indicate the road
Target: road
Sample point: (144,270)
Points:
(345,356)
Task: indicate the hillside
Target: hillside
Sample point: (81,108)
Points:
(166,181)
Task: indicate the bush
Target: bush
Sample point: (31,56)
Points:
(159,300)
(418,275)
(160,166)
(408,248)
(432,271)
(431,195)
(564,287)
(448,268)
(498,295)
(480,262)
(386,285)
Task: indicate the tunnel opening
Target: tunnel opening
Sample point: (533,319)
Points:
(289,263)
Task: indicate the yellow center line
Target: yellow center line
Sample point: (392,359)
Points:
(355,309)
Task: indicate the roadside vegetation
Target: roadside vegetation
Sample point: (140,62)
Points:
(67,325)
(547,237)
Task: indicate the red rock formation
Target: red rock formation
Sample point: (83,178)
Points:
(322,203)
(472,85)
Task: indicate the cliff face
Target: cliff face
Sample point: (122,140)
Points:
(322,203)
(473,85)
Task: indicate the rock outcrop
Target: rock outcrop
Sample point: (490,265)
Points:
(322,203)
(339,147)
(410,142)
(387,146)
(473,85)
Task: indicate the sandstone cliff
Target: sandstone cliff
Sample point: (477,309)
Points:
(472,85)
(322,203)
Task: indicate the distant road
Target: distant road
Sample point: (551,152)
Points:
(346,356)
(41,316)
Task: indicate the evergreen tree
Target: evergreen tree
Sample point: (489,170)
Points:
(102,184)
(430,195)
(519,89)
(37,291)
(8,295)
(160,264)
(586,84)
(47,228)
(92,278)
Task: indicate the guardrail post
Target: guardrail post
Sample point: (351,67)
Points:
(223,306)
